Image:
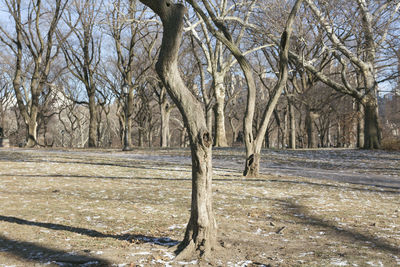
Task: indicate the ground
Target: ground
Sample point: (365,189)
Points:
(112,208)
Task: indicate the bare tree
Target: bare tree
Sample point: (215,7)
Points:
(6,97)
(34,38)
(134,38)
(200,236)
(82,53)
(374,21)
(220,31)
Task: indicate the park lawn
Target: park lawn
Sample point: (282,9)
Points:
(92,207)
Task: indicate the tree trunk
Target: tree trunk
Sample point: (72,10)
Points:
(200,236)
(92,119)
(150,137)
(292,119)
(360,125)
(252,167)
(220,133)
(209,119)
(32,132)
(372,131)
(141,137)
(183,137)
(127,133)
(165,140)
(165,111)
(310,127)
(267,141)
(338,134)
(285,130)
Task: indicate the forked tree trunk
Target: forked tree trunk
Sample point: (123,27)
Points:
(200,236)
(253,146)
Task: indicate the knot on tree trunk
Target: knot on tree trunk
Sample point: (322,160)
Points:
(252,166)
(205,138)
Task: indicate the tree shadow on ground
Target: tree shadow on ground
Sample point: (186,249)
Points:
(32,252)
(161,241)
(293,209)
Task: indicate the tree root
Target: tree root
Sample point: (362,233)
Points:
(194,251)
(187,252)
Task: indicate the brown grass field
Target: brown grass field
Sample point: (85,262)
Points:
(112,208)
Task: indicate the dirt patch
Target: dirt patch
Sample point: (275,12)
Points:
(92,208)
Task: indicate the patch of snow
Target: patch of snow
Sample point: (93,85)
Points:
(397,260)
(258,232)
(141,253)
(169,255)
(243,263)
(175,226)
(193,262)
(339,262)
(306,253)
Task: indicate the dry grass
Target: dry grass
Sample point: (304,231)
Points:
(391,144)
(90,208)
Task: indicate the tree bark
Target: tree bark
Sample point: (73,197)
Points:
(165,110)
(140,137)
(220,133)
(292,119)
(360,125)
(310,128)
(200,236)
(32,131)
(92,119)
(372,131)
